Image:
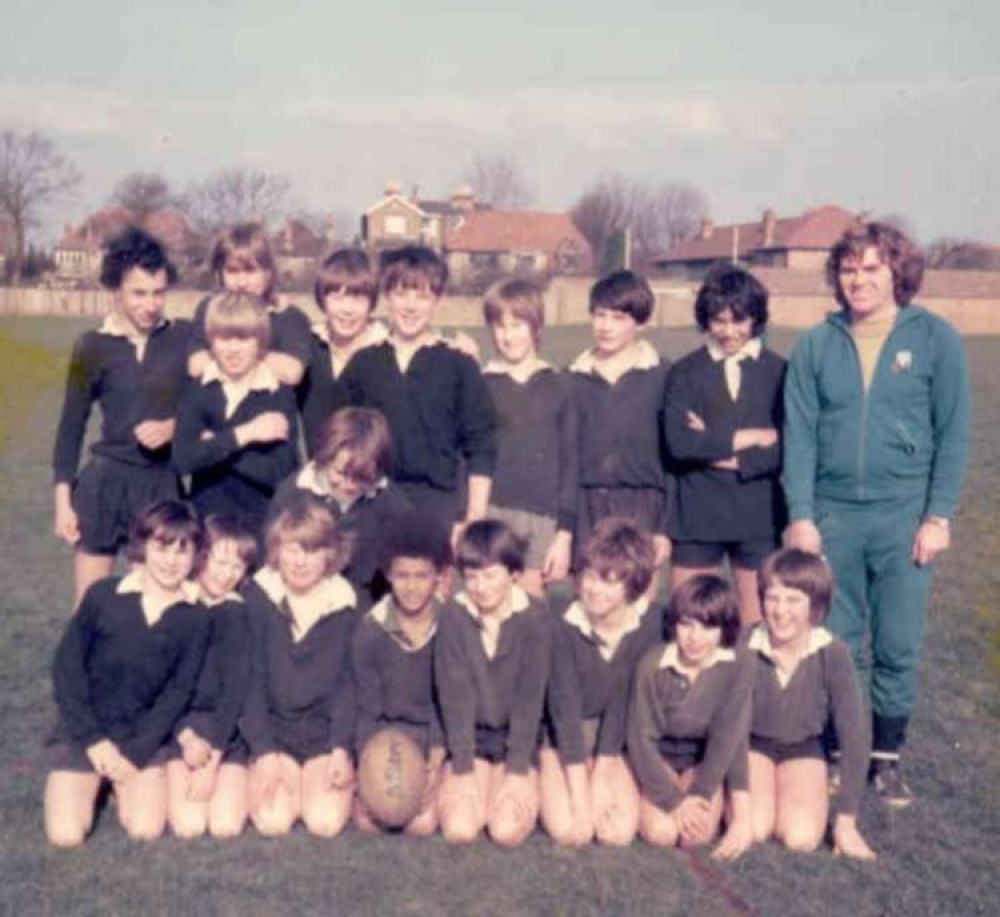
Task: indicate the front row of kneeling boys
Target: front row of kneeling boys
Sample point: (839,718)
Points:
(207,699)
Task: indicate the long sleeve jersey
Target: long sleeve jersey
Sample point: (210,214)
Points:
(792,710)
(222,686)
(395,678)
(225,476)
(439,411)
(714,709)
(537,442)
(106,368)
(505,689)
(117,677)
(301,698)
(590,681)
(712,504)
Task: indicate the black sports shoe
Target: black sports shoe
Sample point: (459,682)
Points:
(886,778)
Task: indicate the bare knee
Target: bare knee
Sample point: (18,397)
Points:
(270,822)
(145,829)
(508,832)
(226,826)
(659,832)
(423,825)
(800,834)
(188,825)
(65,833)
(619,834)
(459,830)
(324,821)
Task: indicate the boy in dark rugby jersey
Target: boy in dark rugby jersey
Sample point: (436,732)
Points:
(491,664)
(587,788)
(535,482)
(393,656)
(207,777)
(123,673)
(133,367)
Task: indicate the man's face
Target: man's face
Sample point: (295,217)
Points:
(866,284)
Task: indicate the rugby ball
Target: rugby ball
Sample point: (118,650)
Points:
(392,774)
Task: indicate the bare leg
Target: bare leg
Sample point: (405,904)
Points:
(229,808)
(462,809)
(614,801)
(803,803)
(144,797)
(275,816)
(188,817)
(88,569)
(657,827)
(70,800)
(325,809)
(556,803)
(511,819)
(763,785)
(747,593)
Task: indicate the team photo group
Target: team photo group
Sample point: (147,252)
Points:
(373,577)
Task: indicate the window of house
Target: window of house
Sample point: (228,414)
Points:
(394,225)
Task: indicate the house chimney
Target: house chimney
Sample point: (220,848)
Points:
(415,193)
(707,228)
(463,198)
(391,187)
(767,225)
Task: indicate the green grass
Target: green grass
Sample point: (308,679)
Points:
(939,857)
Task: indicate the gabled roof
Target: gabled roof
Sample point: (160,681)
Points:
(169,226)
(816,229)
(296,239)
(399,198)
(514,230)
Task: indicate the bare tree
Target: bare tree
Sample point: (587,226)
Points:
(498,180)
(234,196)
(655,218)
(949,254)
(33,174)
(142,194)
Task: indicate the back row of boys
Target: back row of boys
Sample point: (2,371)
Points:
(571,452)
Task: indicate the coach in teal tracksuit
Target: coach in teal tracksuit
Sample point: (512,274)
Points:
(877,414)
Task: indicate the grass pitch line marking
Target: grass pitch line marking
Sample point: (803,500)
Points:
(714,881)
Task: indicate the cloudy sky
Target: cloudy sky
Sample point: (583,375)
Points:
(890,106)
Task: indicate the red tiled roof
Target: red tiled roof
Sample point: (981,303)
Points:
(169,226)
(814,229)
(513,231)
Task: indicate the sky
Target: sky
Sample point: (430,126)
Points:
(887,107)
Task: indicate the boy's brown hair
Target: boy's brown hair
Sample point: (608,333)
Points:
(348,272)
(896,250)
(304,520)
(412,267)
(517,297)
(364,433)
(245,245)
(488,542)
(168,521)
(801,570)
(708,599)
(624,291)
(224,527)
(618,551)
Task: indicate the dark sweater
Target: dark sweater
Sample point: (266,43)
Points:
(506,691)
(621,426)
(301,698)
(537,442)
(395,680)
(822,686)
(713,504)
(104,368)
(118,678)
(584,685)
(715,709)
(439,411)
(225,477)
(225,676)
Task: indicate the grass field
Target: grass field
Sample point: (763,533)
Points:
(937,858)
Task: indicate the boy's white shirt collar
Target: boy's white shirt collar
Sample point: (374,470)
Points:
(503,368)
(749,351)
(132,583)
(760,640)
(309,478)
(646,357)
(375,333)
(576,615)
(329,596)
(403,359)
(115,326)
(671,658)
(490,635)
(259,379)
(386,615)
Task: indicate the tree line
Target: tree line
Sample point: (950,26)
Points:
(614,212)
